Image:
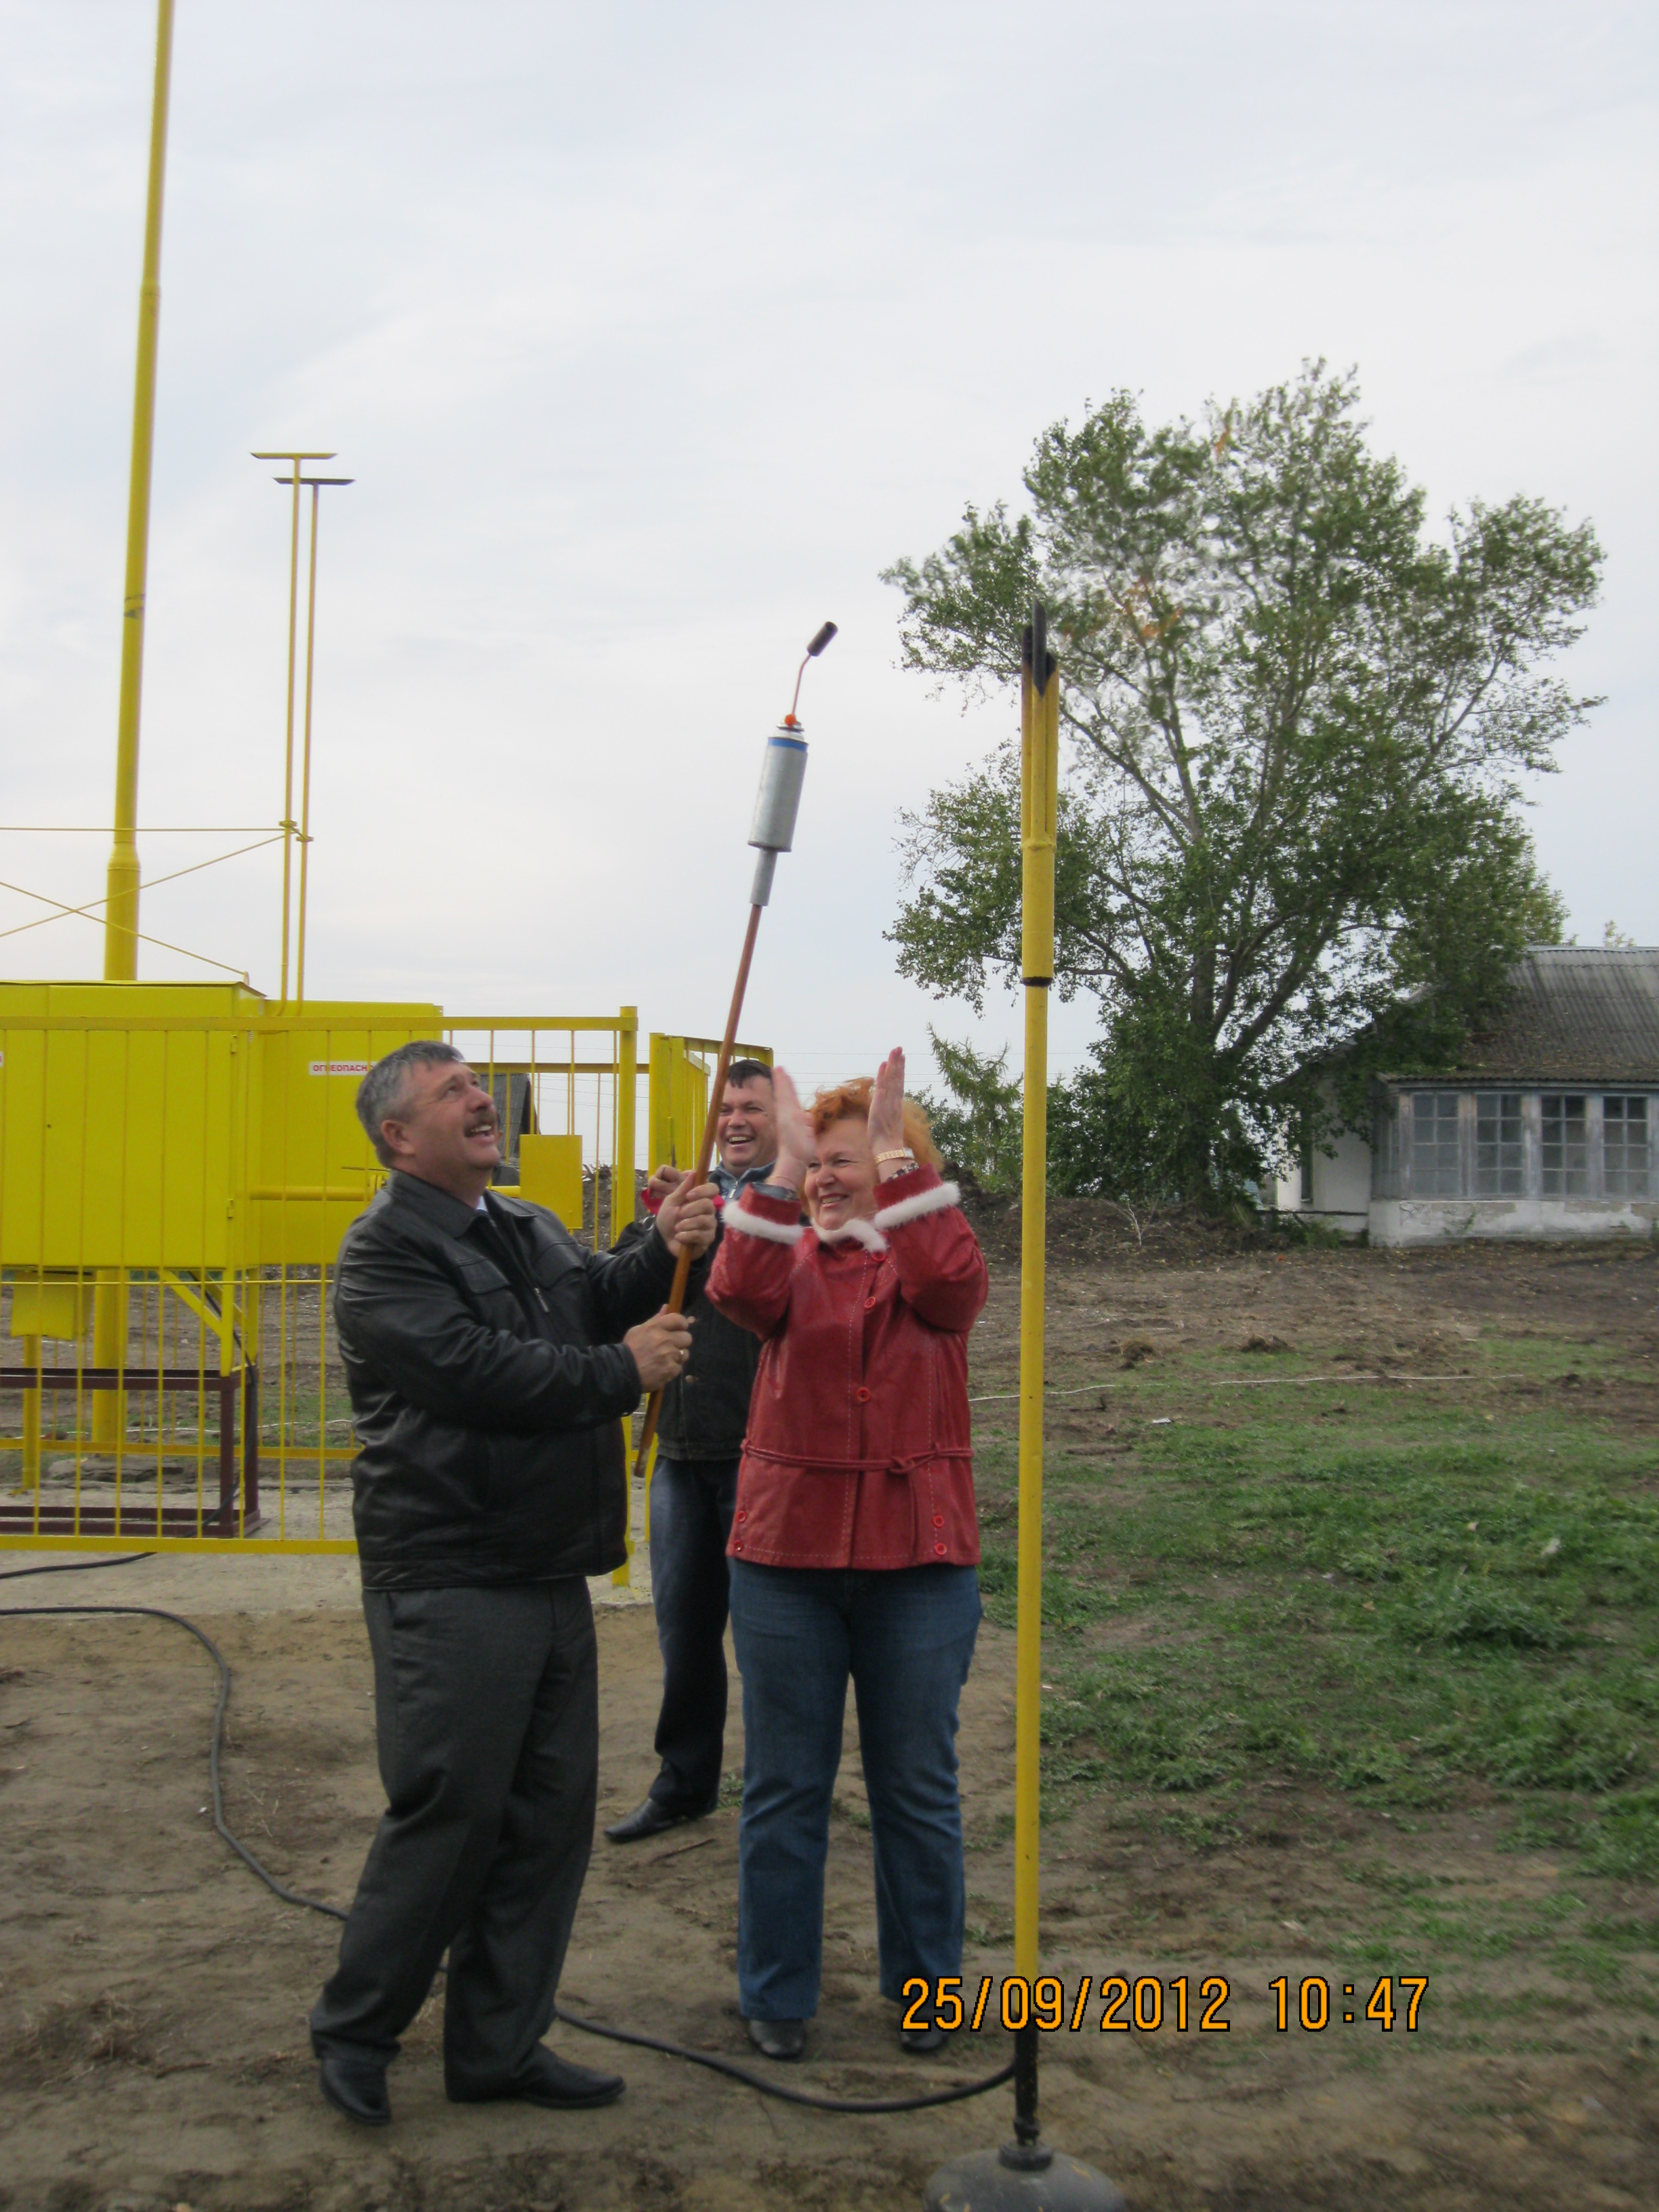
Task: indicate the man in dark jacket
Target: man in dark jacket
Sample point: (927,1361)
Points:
(693,1490)
(491,1361)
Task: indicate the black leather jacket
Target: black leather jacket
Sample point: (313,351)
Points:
(488,1389)
(705,1410)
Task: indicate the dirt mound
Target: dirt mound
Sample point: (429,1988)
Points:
(1108,1229)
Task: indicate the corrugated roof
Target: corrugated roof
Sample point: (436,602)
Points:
(1576,1014)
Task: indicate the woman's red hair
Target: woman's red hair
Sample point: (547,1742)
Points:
(850,1101)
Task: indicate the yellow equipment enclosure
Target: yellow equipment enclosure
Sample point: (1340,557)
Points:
(550,1173)
(179,1163)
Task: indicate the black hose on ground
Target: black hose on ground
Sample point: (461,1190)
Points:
(781,2089)
(216,1737)
(75,1566)
(215,1743)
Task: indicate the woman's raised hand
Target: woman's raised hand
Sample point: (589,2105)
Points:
(796,1143)
(887,1107)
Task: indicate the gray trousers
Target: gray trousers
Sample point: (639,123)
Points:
(486,1710)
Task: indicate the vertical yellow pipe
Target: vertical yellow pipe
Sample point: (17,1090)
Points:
(628,1075)
(1026,2172)
(32,1415)
(121,887)
(1039,781)
(305,773)
(622,1197)
(111,1319)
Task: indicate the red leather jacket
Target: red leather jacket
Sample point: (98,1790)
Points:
(859,1450)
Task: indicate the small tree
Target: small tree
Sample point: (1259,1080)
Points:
(979,1123)
(1292,814)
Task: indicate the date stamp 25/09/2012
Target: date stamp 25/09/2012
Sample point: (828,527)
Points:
(1151,2004)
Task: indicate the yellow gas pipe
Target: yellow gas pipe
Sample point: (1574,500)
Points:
(121,906)
(1027,2175)
(1039,727)
(121,884)
(1039,780)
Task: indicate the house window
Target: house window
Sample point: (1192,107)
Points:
(1435,1144)
(1565,1147)
(1385,1148)
(1500,1167)
(1624,1140)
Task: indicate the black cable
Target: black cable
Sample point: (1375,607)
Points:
(75,1566)
(773,2089)
(216,1740)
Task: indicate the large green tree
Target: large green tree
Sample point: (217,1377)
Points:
(1298,720)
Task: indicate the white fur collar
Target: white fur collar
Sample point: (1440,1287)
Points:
(859,1232)
(791,1233)
(761,1224)
(868,1233)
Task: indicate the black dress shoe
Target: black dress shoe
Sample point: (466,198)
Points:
(652,1819)
(778,2038)
(563,2087)
(923,2038)
(355,2086)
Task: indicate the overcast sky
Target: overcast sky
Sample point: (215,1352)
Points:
(650,334)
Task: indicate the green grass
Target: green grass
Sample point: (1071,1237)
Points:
(1414,1596)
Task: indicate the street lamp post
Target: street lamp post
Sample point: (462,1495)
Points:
(318,484)
(291,828)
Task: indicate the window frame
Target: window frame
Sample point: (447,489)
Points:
(1394,1153)
(1413,1145)
(1498,1100)
(1626,1100)
(1564,1168)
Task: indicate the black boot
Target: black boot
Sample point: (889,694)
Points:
(355,2086)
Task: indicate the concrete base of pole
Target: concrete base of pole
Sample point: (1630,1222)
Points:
(1018,2179)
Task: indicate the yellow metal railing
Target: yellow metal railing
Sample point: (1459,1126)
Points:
(558,1081)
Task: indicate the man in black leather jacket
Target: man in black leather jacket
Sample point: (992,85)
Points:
(491,1360)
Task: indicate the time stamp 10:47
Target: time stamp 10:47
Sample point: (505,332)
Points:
(1178,2003)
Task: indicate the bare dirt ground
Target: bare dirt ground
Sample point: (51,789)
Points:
(153,1995)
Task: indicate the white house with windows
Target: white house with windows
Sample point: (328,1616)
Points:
(1550,1128)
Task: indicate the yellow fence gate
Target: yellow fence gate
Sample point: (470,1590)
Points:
(178,1165)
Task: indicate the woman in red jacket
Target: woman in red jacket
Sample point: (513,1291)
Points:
(855,1543)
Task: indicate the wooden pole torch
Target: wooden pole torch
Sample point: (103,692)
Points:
(783,771)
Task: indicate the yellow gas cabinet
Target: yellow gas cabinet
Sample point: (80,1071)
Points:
(178,1164)
(312,1169)
(122,1112)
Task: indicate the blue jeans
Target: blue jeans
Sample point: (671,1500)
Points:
(691,1503)
(906,1636)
